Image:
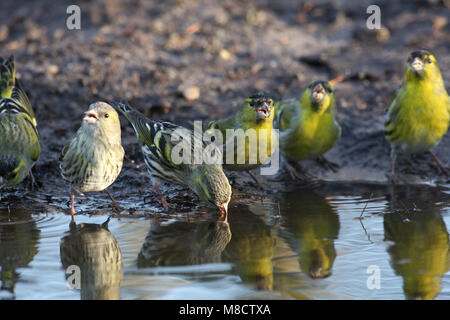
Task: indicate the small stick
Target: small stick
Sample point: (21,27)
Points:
(361,218)
(337,80)
(370,197)
(256,180)
(439,163)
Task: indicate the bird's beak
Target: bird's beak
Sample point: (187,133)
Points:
(263,111)
(417,65)
(224,210)
(91,116)
(318,93)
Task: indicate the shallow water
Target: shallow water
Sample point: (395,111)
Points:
(304,244)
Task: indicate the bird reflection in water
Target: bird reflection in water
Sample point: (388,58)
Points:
(96,252)
(251,249)
(420,244)
(310,226)
(184,243)
(19,238)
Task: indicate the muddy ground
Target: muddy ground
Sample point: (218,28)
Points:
(152,53)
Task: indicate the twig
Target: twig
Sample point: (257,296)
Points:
(362,212)
(338,79)
(361,218)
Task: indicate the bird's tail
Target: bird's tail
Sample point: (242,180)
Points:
(7,76)
(146,129)
(124,108)
(136,118)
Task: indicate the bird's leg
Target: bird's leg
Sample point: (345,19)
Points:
(165,204)
(32,181)
(294,173)
(163,200)
(256,180)
(72,209)
(393,178)
(439,163)
(327,164)
(115,205)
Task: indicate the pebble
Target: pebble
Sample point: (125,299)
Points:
(225,54)
(53,69)
(192,93)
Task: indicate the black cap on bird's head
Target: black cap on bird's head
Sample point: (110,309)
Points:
(418,61)
(319,90)
(262,103)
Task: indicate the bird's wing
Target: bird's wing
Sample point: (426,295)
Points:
(13,107)
(64,151)
(388,106)
(285,111)
(19,95)
(222,125)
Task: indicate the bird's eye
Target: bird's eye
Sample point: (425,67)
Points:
(252,104)
(106,115)
(429,60)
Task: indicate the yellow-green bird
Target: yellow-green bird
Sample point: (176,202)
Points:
(169,155)
(19,137)
(255,118)
(93,159)
(418,115)
(308,128)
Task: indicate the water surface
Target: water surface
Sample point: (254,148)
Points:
(326,242)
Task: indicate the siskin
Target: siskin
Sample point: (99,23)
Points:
(93,159)
(308,128)
(158,140)
(418,115)
(254,116)
(19,138)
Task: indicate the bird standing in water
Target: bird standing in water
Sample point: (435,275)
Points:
(418,115)
(93,159)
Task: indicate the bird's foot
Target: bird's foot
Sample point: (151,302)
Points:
(297,174)
(32,184)
(116,208)
(327,164)
(164,202)
(392,178)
